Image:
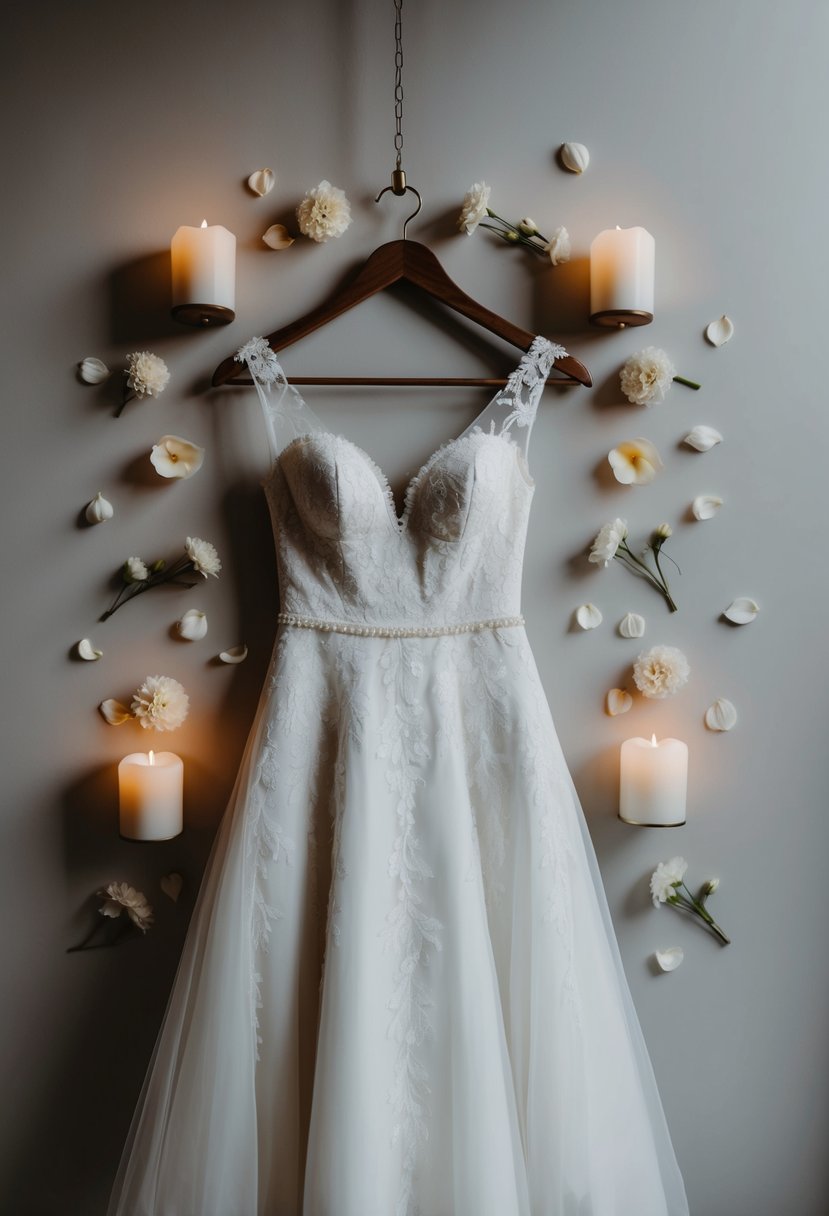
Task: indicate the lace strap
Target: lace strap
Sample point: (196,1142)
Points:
(287,415)
(512,411)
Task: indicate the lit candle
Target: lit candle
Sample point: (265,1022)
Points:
(151,794)
(654,782)
(621,277)
(204,275)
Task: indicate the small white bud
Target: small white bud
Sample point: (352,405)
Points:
(99,510)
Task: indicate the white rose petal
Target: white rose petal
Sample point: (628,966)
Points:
(702,438)
(236,654)
(559,248)
(114,712)
(635,462)
(607,542)
(618,702)
(706,506)
(742,611)
(261,182)
(93,371)
(474,207)
(721,331)
(632,625)
(588,616)
(99,510)
(671,958)
(192,626)
(175,457)
(277,237)
(721,715)
(85,650)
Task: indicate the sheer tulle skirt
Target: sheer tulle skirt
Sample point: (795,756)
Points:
(401,991)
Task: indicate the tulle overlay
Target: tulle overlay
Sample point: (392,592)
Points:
(401,993)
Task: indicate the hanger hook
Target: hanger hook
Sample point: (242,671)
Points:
(399,187)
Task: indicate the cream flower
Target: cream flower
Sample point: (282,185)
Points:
(607,542)
(134,570)
(193,625)
(120,897)
(559,247)
(647,376)
(173,456)
(661,672)
(203,556)
(160,703)
(667,876)
(147,375)
(323,213)
(475,204)
(635,462)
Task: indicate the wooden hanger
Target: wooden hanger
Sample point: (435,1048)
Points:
(408,262)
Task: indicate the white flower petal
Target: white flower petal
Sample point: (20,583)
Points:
(588,616)
(706,506)
(262,181)
(574,157)
(85,650)
(114,712)
(618,702)
(721,715)
(236,654)
(173,456)
(635,462)
(721,331)
(192,626)
(742,611)
(277,237)
(93,371)
(671,958)
(171,885)
(702,438)
(99,510)
(632,625)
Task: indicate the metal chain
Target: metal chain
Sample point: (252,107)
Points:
(398,80)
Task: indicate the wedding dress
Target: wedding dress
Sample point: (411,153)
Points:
(400,993)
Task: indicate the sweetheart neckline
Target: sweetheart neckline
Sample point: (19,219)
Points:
(400,521)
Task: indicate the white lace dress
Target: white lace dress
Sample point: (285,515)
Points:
(400,994)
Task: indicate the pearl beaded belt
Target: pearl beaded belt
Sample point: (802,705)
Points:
(396,631)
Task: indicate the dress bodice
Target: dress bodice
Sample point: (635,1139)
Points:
(455,555)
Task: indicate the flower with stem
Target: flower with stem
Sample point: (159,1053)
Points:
(200,557)
(611,544)
(147,376)
(118,897)
(647,376)
(668,887)
(476,213)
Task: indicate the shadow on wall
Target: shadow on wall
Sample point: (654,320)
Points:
(139,302)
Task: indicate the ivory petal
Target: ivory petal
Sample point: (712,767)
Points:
(192,626)
(277,237)
(721,715)
(632,625)
(618,702)
(588,616)
(742,611)
(574,157)
(114,712)
(171,884)
(671,958)
(702,438)
(706,506)
(720,331)
(85,650)
(93,371)
(261,181)
(236,654)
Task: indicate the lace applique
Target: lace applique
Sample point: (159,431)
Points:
(410,931)
(262,361)
(523,388)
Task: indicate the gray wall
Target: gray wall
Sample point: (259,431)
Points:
(706,124)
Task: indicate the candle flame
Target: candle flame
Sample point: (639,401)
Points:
(653,742)
(152,757)
(204,223)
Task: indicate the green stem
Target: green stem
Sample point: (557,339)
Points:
(705,915)
(685,381)
(667,591)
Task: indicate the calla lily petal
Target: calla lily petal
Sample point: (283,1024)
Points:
(632,625)
(261,182)
(720,331)
(99,510)
(175,457)
(114,712)
(278,237)
(236,654)
(588,616)
(671,958)
(702,438)
(635,462)
(618,702)
(85,650)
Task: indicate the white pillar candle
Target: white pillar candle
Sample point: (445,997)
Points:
(621,277)
(654,782)
(151,795)
(204,275)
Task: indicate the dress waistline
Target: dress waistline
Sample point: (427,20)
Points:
(396,631)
